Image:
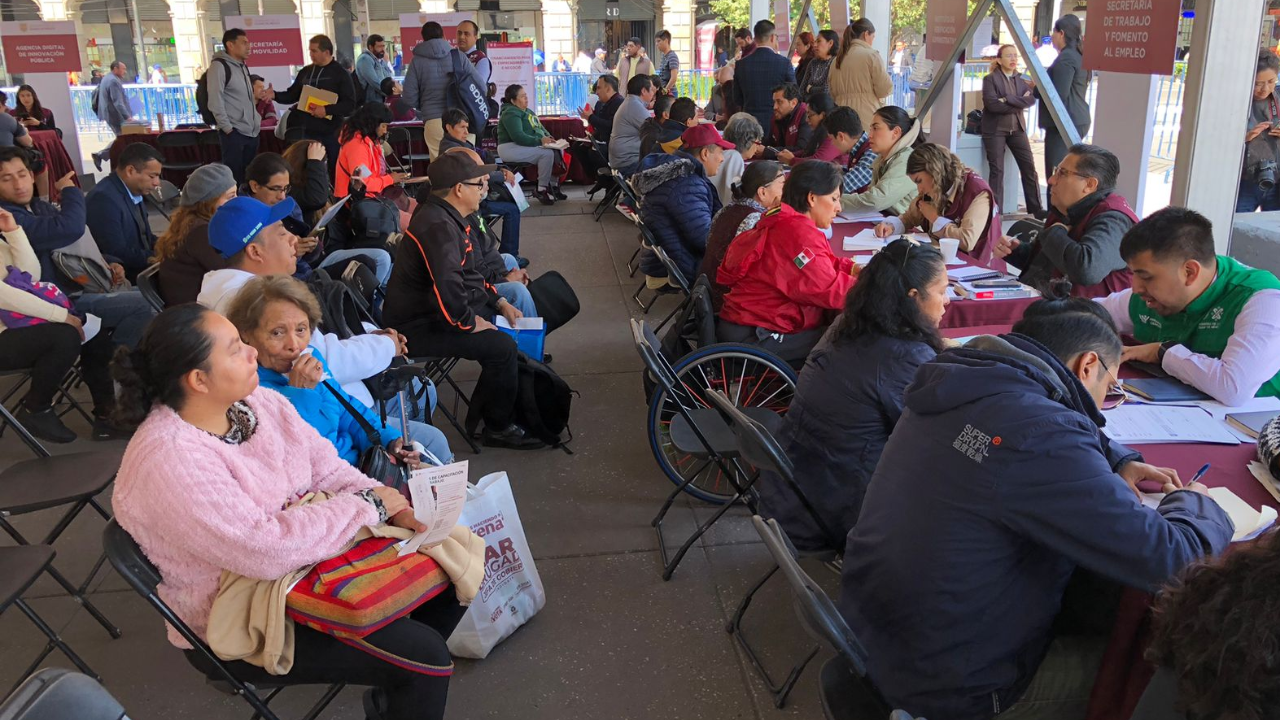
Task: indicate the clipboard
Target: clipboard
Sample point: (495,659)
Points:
(315,97)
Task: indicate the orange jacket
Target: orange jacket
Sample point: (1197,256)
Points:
(358,151)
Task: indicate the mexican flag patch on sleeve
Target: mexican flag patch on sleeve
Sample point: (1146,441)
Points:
(801,260)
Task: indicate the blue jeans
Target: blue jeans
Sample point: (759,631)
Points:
(380,258)
(125,313)
(428,436)
(510,214)
(516,293)
(1251,196)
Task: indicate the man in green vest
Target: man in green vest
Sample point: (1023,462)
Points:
(1207,320)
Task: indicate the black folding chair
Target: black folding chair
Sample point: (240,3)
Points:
(71,481)
(167,142)
(128,560)
(19,568)
(605,180)
(211,146)
(165,198)
(399,137)
(64,403)
(845,689)
(700,432)
(758,446)
(147,286)
(437,370)
(57,694)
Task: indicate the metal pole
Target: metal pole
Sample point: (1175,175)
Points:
(806,12)
(137,33)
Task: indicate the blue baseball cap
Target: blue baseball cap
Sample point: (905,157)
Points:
(237,223)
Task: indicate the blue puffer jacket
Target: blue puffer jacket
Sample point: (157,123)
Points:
(995,485)
(323,412)
(677,203)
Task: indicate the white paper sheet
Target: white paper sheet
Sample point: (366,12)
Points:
(1220,412)
(92,324)
(850,216)
(1248,522)
(1134,424)
(438,495)
(524,323)
(865,240)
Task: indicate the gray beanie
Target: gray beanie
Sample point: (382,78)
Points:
(206,183)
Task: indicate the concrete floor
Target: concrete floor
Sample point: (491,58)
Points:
(614,641)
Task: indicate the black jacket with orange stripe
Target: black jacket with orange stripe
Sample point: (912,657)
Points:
(437,276)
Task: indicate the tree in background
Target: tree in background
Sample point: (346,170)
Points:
(738,12)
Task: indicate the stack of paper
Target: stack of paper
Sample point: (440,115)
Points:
(865,240)
(865,216)
(970,292)
(1248,523)
(1134,424)
(969,273)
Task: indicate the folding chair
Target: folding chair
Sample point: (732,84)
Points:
(128,560)
(675,278)
(758,446)
(56,694)
(845,689)
(167,142)
(147,286)
(210,146)
(62,396)
(700,432)
(72,481)
(399,137)
(19,568)
(605,180)
(165,198)
(437,370)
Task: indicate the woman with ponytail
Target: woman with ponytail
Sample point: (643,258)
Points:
(954,202)
(1071,81)
(850,392)
(858,77)
(208,485)
(758,192)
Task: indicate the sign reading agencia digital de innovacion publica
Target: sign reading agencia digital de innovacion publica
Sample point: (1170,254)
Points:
(34,46)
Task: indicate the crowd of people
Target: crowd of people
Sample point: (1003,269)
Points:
(959,590)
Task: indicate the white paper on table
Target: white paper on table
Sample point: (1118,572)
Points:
(862,260)
(1247,522)
(1220,412)
(952,294)
(524,323)
(1263,475)
(969,273)
(92,324)
(1134,424)
(438,494)
(852,216)
(865,240)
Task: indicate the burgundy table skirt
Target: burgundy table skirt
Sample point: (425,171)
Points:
(205,153)
(960,313)
(56,158)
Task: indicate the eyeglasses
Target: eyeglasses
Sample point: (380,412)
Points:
(1062,172)
(482,183)
(277,189)
(1116,394)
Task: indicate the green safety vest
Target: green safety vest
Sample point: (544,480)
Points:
(1207,324)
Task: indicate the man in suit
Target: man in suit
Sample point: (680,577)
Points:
(757,74)
(115,213)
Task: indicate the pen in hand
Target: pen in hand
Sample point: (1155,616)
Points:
(1199,474)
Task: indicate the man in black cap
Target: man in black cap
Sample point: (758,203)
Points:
(440,301)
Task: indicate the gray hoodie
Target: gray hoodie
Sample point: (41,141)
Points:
(231,96)
(427,81)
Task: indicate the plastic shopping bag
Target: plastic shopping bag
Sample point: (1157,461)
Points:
(512,591)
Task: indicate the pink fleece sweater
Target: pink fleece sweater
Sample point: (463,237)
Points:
(198,506)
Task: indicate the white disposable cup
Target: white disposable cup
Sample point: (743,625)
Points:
(950,248)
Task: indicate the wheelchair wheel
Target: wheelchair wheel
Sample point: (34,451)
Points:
(749,376)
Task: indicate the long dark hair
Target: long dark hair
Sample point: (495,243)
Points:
(36,111)
(174,344)
(365,121)
(757,175)
(1072,33)
(880,302)
(265,166)
(896,117)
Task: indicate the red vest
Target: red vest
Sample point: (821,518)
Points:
(1117,280)
(971,189)
(789,136)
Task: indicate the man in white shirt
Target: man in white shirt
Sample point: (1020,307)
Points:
(1046,52)
(1208,320)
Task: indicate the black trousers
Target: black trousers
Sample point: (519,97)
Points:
(331,147)
(237,152)
(322,659)
(793,349)
(48,351)
(1021,148)
(494,399)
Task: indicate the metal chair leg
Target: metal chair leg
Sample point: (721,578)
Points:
(779,691)
(54,642)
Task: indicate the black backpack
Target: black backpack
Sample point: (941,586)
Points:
(202,92)
(556,301)
(464,93)
(358,84)
(373,220)
(93,99)
(341,310)
(542,403)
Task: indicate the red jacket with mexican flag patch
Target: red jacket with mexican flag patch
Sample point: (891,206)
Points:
(782,275)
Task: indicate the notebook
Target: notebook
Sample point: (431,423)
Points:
(1251,423)
(1164,390)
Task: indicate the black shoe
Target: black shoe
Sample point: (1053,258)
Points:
(513,437)
(45,425)
(97,161)
(375,704)
(522,262)
(558,194)
(546,358)
(104,429)
(544,197)
(667,289)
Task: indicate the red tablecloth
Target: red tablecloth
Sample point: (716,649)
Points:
(267,142)
(960,313)
(565,127)
(57,160)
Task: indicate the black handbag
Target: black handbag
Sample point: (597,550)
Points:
(376,462)
(555,300)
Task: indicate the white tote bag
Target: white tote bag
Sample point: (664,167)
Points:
(512,591)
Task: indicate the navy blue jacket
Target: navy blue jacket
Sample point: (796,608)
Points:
(677,203)
(754,78)
(847,402)
(995,485)
(49,229)
(119,226)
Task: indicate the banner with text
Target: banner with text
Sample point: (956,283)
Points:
(411,27)
(274,40)
(513,65)
(945,21)
(32,46)
(1133,36)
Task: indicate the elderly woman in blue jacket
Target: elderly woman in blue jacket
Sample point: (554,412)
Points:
(275,315)
(677,201)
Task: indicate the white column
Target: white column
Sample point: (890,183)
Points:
(944,123)
(312,18)
(1124,121)
(677,19)
(759,11)
(558,30)
(1224,55)
(879,12)
(51,10)
(188,38)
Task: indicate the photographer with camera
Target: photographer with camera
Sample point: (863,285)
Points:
(1262,141)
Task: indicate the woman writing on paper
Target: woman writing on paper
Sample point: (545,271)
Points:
(953,203)
(205,487)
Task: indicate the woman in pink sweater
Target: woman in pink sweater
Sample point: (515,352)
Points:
(204,486)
